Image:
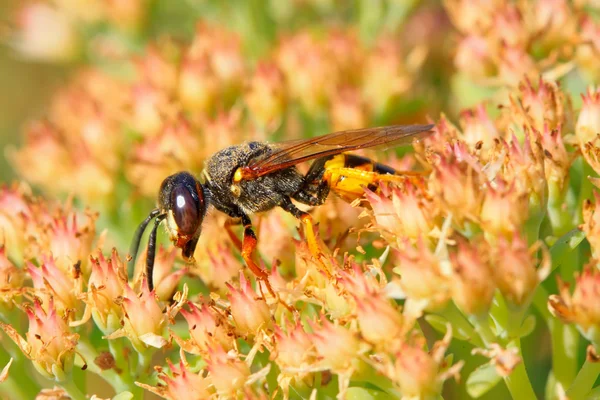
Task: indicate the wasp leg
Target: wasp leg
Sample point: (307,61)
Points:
(151,252)
(249,244)
(135,244)
(234,238)
(309,232)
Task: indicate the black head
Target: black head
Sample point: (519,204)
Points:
(181,199)
(182,203)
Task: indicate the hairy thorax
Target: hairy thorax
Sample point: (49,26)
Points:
(260,194)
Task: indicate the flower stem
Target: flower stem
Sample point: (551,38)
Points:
(518,382)
(110,375)
(482,327)
(565,339)
(72,390)
(585,379)
(460,323)
(13,389)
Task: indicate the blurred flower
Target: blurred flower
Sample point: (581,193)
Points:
(582,307)
(198,88)
(475,58)
(14,211)
(472,279)
(250,313)
(157,66)
(46,33)
(293,353)
(504,209)
(348,110)
(266,94)
(457,185)
(227,372)
(293,348)
(208,328)
(588,122)
(591,223)
(421,276)
(175,149)
(385,75)
(403,212)
(525,167)
(308,69)
(11,279)
(48,343)
(515,271)
(540,107)
(182,384)
(421,374)
(505,360)
(515,64)
(337,347)
(586,53)
(478,129)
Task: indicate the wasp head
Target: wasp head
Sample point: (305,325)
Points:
(181,199)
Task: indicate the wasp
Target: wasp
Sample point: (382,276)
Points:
(254,177)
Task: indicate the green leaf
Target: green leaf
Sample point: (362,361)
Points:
(439,323)
(562,248)
(527,326)
(482,380)
(358,393)
(123,396)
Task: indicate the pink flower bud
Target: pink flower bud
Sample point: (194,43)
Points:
(336,346)
(208,327)
(45,33)
(472,281)
(105,289)
(250,313)
(227,372)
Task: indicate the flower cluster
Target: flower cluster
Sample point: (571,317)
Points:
(493,206)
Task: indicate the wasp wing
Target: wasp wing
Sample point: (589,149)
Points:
(287,154)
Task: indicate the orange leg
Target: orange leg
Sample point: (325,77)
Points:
(248,246)
(234,238)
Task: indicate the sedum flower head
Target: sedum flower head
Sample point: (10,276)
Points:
(250,313)
(48,342)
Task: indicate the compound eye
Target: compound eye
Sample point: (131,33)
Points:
(185,210)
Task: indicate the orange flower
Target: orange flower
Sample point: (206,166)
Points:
(504,209)
(45,33)
(421,276)
(582,307)
(182,384)
(49,281)
(208,328)
(337,347)
(11,279)
(266,95)
(48,343)
(591,223)
(251,314)
(106,287)
(515,270)
(472,281)
(588,122)
(227,372)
